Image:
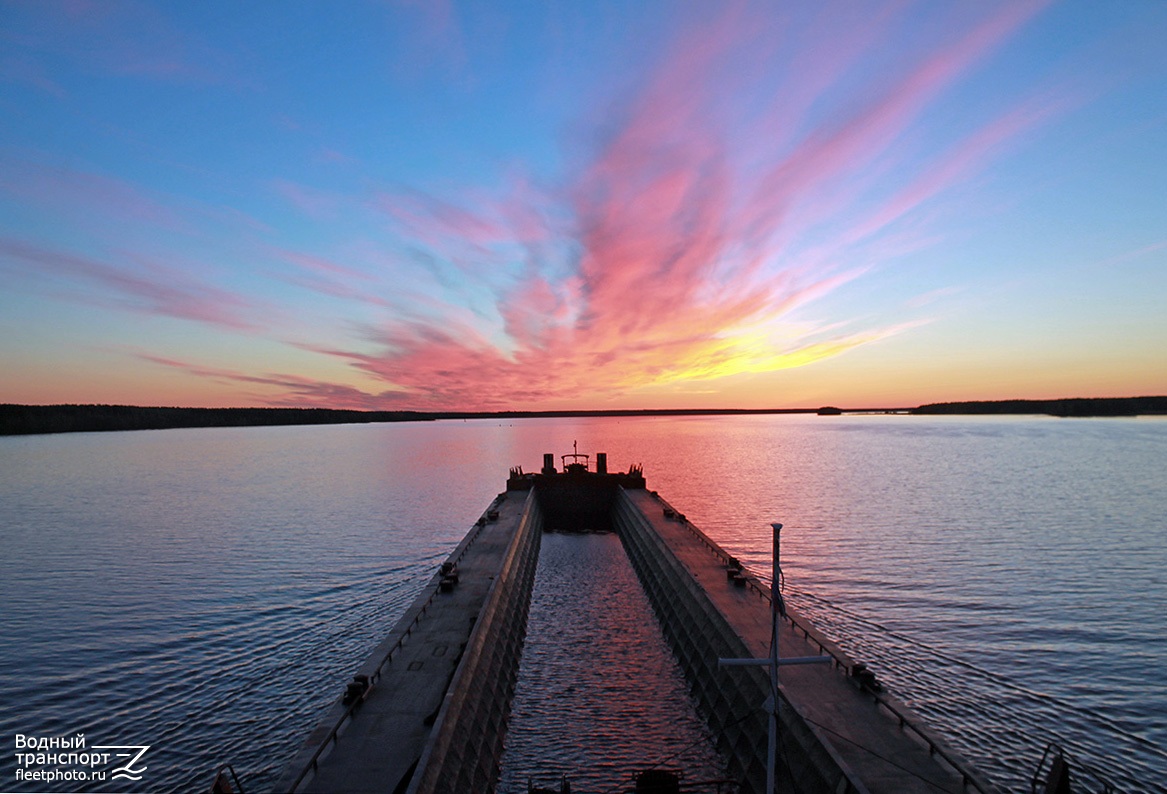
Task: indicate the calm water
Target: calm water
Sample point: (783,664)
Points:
(599,694)
(208,592)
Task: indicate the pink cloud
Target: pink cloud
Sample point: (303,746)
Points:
(847,145)
(137,285)
(328,277)
(105,205)
(82,195)
(286,390)
(677,275)
(693,226)
(440,224)
(322,265)
(956,164)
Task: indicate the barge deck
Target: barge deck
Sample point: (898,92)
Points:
(428,711)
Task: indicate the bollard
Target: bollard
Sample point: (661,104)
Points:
(657,781)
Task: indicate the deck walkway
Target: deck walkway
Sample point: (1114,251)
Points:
(863,734)
(378,748)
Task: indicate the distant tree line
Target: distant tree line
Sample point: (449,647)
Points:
(1078,406)
(28,419)
(25,419)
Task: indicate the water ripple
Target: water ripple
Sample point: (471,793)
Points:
(209,592)
(599,695)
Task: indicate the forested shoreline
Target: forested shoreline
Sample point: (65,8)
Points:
(37,419)
(1078,406)
(29,419)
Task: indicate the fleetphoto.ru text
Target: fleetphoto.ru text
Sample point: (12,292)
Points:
(70,759)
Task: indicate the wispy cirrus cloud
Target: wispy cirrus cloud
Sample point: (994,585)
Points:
(278,389)
(85,197)
(130,283)
(108,206)
(328,277)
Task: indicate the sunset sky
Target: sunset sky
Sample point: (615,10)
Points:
(542,205)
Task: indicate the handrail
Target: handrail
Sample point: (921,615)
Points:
(216,788)
(1054,751)
(575,455)
(312,764)
(479,646)
(936,746)
(654,547)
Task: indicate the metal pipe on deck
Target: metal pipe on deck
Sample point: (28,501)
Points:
(786,660)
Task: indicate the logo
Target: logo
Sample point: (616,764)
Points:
(48,759)
(126,770)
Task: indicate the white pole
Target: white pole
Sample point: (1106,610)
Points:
(773,662)
(772,743)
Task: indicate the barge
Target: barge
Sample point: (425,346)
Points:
(427,712)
